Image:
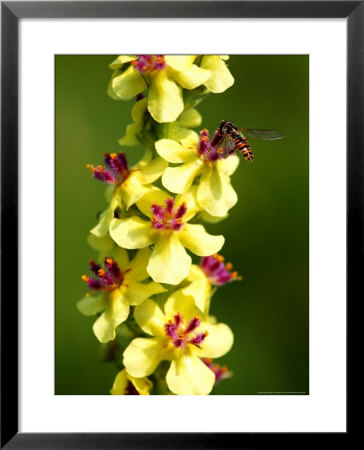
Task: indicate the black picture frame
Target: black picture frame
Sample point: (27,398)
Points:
(11,12)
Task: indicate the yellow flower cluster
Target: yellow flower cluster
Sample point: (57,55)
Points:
(144,290)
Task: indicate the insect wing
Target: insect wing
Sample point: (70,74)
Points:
(267,135)
(228,145)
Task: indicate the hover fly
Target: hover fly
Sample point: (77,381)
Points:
(232,139)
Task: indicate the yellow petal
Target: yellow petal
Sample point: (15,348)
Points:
(110,91)
(199,287)
(150,318)
(190,198)
(221,78)
(190,139)
(137,268)
(206,217)
(117,312)
(111,195)
(120,383)
(192,77)
(139,109)
(120,255)
(132,192)
(218,341)
(165,102)
(169,262)
(154,195)
(132,189)
(179,179)
(228,165)
(195,238)
(146,159)
(101,244)
(92,304)
(180,62)
(190,376)
(190,118)
(174,152)
(142,385)
(178,302)
(137,113)
(120,60)
(143,355)
(153,170)
(132,232)
(102,228)
(135,293)
(128,84)
(215,193)
(130,139)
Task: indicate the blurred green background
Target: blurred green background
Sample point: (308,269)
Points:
(266,232)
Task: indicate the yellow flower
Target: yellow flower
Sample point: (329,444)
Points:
(163,75)
(197,156)
(114,288)
(125,384)
(169,232)
(128,185)
(135,132)
(179,336)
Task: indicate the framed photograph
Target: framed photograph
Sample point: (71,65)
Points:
(181,205)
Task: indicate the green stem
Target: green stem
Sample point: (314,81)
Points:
(169,130)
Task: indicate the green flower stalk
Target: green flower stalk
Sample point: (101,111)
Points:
(150,302)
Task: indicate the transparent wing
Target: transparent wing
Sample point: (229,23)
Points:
(268,135)
(227,144)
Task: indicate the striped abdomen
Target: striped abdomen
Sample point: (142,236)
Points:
(243,145)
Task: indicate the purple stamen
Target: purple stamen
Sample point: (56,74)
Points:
(94,267)
(169,205)
(179,342)
(220,372)
(167,217)
(94,284)
(106,279)
(158,211)
(181,211)
(204,143)
(118,169)
(178,319)
(198,339)
(216,271)
(193,324)
(171,329)
(216,140)
(149,63)
(104,175)
(113,268)
(180,336)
